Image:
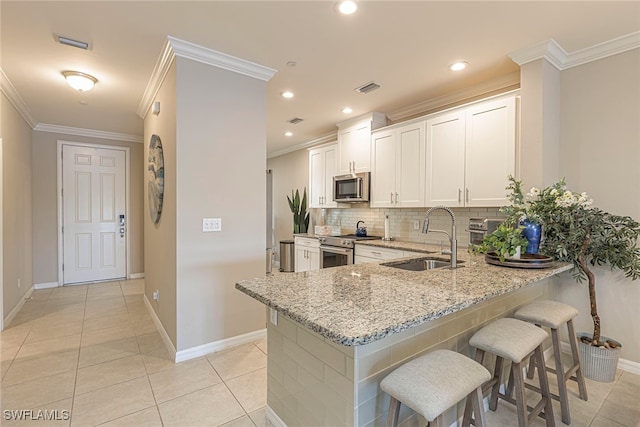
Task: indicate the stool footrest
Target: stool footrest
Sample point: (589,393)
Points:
(533,412)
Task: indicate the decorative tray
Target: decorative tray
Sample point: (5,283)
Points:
(525,261)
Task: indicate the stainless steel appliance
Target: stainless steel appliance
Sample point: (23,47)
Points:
(351,188)
(480,227)
(336,251)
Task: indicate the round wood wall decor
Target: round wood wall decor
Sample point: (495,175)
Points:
(155,185)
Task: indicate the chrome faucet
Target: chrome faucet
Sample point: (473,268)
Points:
(452,237)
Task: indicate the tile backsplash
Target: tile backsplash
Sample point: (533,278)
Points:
(402,221)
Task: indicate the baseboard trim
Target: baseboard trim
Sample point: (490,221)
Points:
(136,276)
(7,320)
(623,364)
(273,418)
(212,347)
(165,337)
(49,285)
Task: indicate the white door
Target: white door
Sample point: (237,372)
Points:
(94,225)
(329,173)
(410,169)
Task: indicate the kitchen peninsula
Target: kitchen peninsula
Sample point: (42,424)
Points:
(339,331)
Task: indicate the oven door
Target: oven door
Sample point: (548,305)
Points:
(476,236)
(333,256)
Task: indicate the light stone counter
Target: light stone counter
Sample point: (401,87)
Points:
(359,304)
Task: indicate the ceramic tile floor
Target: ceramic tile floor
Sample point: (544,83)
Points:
(94,351)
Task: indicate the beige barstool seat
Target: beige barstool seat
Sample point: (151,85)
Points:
(553,315)
(433,383)
(513,340)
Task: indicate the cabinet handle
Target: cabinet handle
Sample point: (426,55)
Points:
(459,195)
(376,253)
(321,197)
(354,166)
(396,198)
(467,195)
(391,198)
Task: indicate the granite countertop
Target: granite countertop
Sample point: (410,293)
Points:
(362,303)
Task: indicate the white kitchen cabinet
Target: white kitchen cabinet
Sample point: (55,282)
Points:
(322,168)
(470,153)
(354,142)
(364,254)
(398,167)
(307,254)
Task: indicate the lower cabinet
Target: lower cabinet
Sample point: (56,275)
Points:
(364,254)
(307,254)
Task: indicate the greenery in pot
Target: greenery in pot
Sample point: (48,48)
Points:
(504,241)
(299,209)
(575,231)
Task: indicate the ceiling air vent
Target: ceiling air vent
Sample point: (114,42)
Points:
(295,120)
(367,87)
(71,42)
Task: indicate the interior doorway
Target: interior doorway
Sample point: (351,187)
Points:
(93,212)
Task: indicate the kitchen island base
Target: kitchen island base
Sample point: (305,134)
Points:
(314,381)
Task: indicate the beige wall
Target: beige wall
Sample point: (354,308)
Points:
(45,208)
(600,154)
(220,165)
(16,206)
(160,238)
(290,172)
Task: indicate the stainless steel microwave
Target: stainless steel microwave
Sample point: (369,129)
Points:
(351,188)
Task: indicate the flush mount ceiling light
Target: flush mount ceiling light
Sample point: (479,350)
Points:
(288,133)
(347,110)
(288,94)
(80,81)
(347,7)
(458,66)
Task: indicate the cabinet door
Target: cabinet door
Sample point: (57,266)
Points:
(313,258)
(361,148)
(316,178)
(383,170)
(346,144)
(490,152)
(410,165)
(329,172)
(445,160)
(301,262)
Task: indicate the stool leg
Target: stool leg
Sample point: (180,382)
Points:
(497,377)
(394,411)
(562,385)
(532,367)
(576,361)
(466,419)
(521,403)
(544,388)
(478,407)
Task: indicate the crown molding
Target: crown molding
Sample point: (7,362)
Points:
(508,81)
(333,136)
(16,100)
(175,47)
(92,133)
(559,58)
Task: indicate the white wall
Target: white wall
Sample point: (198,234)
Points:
(220,166)
(600,154)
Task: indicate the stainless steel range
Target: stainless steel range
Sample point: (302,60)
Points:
(336,251)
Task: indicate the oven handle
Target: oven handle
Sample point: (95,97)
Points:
(336,250)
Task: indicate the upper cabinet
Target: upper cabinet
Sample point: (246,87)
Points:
(398,167)
(322,168)
(470,153)
(354,142)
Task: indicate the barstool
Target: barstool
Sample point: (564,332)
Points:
(435,382)
(513,340)
(553,314)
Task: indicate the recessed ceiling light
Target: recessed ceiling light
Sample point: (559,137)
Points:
(347,7)
(291,63)
(288,133)
(347,110)
(458,66)
(79,81)
(288,94)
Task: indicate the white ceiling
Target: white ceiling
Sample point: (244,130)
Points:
(404,46)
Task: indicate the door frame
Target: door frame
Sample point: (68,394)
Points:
(127,190)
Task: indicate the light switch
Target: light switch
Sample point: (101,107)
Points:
(211,224)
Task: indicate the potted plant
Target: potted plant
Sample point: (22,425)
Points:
(575,231)
(506,242)
(299,209)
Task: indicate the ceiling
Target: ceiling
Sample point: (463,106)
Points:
(404,46)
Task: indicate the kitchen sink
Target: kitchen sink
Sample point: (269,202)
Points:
(421,264)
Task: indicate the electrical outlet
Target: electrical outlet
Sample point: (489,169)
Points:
(156,295)
(416,225)
(211,224)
